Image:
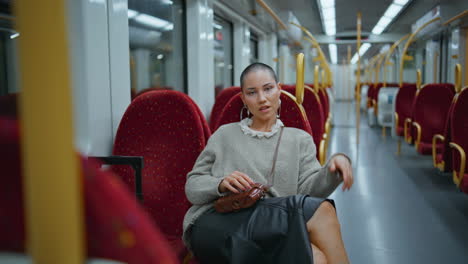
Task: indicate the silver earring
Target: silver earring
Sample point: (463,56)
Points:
(242,112)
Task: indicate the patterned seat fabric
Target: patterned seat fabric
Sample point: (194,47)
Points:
(443,151)
(290,113)
(430,110)
(404,105)
(325,103)
(223,97)
(314,112)
(116,226)
(165,128)
(459,132)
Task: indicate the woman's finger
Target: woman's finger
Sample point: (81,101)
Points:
(245,177)
(235,183)
(228,187)
(241,180)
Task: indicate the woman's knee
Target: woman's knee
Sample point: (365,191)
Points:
(318,255)
(324,215)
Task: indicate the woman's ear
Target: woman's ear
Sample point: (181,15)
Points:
(279,86)
(242,97)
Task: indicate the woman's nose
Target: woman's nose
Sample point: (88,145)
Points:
(261,97)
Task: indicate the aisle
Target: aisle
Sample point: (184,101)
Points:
(400,209)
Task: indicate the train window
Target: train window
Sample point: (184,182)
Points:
(253,48)
(223,58)
(157,44)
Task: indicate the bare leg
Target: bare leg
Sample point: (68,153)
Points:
(319,257)
(324,232)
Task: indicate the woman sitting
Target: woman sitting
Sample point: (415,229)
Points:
(295,223)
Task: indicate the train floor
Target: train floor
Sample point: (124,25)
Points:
(400,209)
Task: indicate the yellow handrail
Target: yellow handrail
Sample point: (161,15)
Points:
(316,78)
(389,54)
(52,186)
(408,43)
(272,14)
(300,78)
(418,79)
(458,77)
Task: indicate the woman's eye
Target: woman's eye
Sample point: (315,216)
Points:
(250,93)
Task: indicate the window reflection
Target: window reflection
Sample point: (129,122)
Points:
(156,34)
(223,66)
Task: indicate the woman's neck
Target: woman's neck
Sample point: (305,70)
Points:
(262,125)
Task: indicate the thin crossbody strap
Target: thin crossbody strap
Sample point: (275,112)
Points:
(270,177)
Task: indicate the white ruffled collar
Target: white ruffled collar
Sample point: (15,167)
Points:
(245,126)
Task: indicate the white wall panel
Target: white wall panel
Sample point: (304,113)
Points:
(200,53)
(119,60)
(241,49)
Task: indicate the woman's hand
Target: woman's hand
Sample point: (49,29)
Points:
(342,164)
(234,182)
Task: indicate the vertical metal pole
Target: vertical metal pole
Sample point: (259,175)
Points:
(358,79)
(52,187)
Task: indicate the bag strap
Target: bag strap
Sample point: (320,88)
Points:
(270,176)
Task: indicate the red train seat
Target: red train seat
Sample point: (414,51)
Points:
(430,108)
(165,128)
(403,106)
(291,113)
(459,141)
(221,100)
(116,226)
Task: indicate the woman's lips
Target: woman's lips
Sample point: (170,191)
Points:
(264,108)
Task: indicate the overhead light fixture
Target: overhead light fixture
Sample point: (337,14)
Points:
(390,14)
(327,3)
(328,12)
(332,49)
(364,47)
(152,21)
(393,10)
(167,2)
(169,27)
(131,13)
(401,2)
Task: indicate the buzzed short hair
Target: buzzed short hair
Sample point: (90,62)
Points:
(255,67)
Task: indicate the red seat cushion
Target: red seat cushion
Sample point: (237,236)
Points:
(404,104)
(430,109)
(165,128)
(314,112)
(291,115)
(116,226)
(459,132)
(221,100)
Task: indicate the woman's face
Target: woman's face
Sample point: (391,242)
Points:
(261,94)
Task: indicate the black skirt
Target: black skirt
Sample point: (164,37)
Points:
(272,231)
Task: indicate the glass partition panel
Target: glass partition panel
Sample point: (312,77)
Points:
(157,44)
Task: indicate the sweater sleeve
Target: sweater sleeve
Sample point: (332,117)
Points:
(201,186)
(315,180)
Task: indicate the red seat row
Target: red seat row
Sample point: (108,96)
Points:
(116,226)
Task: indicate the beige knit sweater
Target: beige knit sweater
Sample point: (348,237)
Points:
(230,149)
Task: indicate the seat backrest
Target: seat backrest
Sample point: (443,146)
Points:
(404,102)
(165,128)
(459,126)
(430,108)
(314,112)
(223,97)
(290,112)
(151,89)
(205,126)
(324,101)
(116,226)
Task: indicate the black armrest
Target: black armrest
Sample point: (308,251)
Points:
(134,161)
